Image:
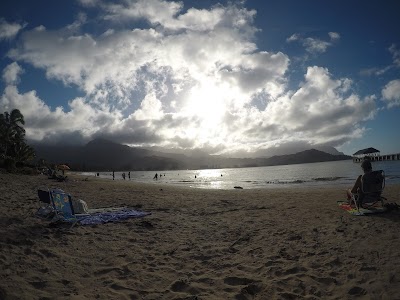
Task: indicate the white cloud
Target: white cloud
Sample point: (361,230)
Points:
(396,55)
(11,73)
(321,110)
(89,3)
(391,93)
(44,123)
(9,30)
(293,37)
(154,11)
(314,45)
(150,108)
(193,79)
(334,36)
(381,71)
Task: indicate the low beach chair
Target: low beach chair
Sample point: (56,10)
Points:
(55,205)
(370,195)
(62,203)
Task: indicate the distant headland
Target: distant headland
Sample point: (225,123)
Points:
(104,155)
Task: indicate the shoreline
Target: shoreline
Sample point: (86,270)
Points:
(291,176)
(211,244)
(210,185)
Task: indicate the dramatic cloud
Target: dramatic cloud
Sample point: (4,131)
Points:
(43,123)
(192,79)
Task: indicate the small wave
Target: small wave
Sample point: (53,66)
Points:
(298,181)
(327,178)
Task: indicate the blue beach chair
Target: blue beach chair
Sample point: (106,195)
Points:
(370,196)
(62,204)
(56,205)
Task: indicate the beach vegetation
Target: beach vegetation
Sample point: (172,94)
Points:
(14,150)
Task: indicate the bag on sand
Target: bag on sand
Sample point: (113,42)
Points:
(80,206)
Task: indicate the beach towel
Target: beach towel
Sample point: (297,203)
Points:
(362,211)
(112,216)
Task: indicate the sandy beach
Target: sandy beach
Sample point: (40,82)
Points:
(197,244)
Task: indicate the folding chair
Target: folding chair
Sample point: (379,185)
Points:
(62,204)
(55,205)
(370,195)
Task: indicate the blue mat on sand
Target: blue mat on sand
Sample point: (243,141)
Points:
(113,216)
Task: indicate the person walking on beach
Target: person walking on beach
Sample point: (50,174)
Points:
(113,175)
(123,176)
(155,176)
(129,175)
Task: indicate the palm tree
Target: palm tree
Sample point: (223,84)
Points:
(22,152)
(11,130)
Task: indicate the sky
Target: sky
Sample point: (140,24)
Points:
(237,78)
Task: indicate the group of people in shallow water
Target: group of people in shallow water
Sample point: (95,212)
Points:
(123,175)
(156,176)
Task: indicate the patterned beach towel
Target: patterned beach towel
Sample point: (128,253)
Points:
(113,216)
(362,211)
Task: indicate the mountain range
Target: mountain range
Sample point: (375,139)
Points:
(104,155)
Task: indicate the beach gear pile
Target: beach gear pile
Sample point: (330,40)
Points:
(58,206)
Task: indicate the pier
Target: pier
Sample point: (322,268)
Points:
(373,155)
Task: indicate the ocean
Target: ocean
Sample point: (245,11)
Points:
(341,173)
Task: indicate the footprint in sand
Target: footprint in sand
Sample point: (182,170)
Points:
(179,285)
(251,289)
(357,291)
(237,281)
(38,284)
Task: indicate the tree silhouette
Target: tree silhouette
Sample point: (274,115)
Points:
(12,138)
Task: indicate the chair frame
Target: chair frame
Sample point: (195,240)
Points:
(356,197)
(41,195)
(53,204)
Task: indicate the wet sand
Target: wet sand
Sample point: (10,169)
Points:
(197,244)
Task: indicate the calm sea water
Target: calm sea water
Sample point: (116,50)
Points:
(333,173)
